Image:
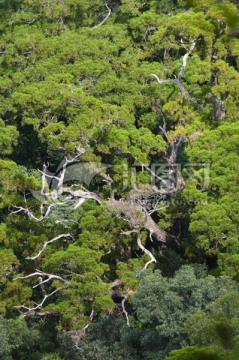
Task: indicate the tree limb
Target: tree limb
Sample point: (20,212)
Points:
(59,195)
(47,243)
(91,319)
(178,79)
(38,306)
(184,64)
(47,211)
(83,194)
(146,251)
(105,19)
(41,273)
(124,310)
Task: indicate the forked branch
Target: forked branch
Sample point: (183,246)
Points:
(40,305)
(178,80)
(146,251)
(56,195)
(41,274)
(47,243)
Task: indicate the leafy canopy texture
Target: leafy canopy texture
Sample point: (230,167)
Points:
(119,179)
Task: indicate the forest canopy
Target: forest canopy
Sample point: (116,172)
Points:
(119,162)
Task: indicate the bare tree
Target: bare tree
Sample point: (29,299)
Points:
(58,195)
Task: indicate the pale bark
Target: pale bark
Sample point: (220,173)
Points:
(105,19)
(146,251)
(140,219)
(40,273)
(124,310)
(178,80)
(59,196)
(40,305)
(47,243)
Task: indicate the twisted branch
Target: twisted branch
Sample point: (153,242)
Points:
(152,258)
(40,273)
(124,310)
(38,306)
(47,243)
(178,79)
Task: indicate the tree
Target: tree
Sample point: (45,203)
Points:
(163,305)
(192,352)
(19,341)
(216,328)
(217,147)
(140,97)
(213,333)
(158,311)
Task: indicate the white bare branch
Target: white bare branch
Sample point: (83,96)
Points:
(129,232)
(164,127)
(105,19)
(178,79)
(150,212)
(160,81)
(60,179)
(124,310)
(47,243)
(44,214)
(91,319)
(40,273)
(38,306)
(29,213)
(184,64)
(82,195)
(43,180)
(79,203)
(152,258)
(58,196)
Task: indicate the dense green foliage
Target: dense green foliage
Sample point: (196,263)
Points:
(136,84)
(161,307)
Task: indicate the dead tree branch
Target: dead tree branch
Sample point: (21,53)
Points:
(146,251)
(83,195)
(90,321)
(124,310)
(178,80)
(56,195)
(47,243)
(38,306)
(45,209)
(40,273)
(105,19)
(139,218)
